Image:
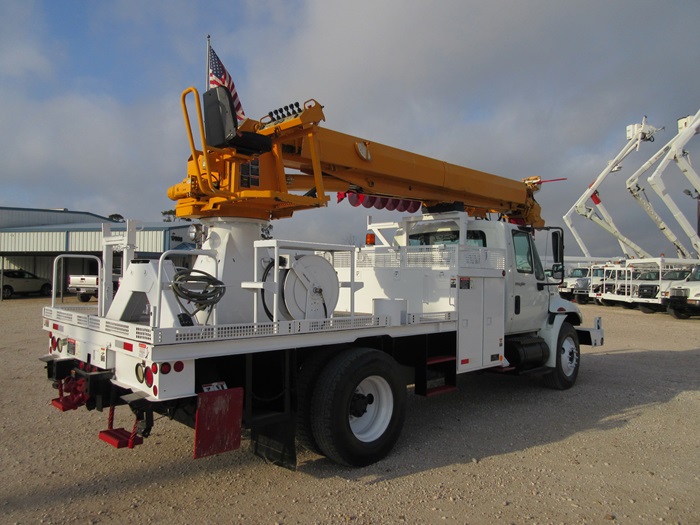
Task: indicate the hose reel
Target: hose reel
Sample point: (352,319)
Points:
(308,288)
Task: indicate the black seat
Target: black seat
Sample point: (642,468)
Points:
(221,125)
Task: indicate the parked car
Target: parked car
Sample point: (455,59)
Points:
(23,282)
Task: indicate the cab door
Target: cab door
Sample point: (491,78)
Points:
(527,299)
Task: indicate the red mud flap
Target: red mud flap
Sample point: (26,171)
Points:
(218,423)
(120,438)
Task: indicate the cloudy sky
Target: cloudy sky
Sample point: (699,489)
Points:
(90,115)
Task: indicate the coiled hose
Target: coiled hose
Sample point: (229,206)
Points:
(197,287)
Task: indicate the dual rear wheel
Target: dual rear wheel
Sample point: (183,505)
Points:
(353,410)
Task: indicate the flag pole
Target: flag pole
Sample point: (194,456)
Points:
(206,85)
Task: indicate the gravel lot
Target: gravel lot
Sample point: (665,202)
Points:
(621,447)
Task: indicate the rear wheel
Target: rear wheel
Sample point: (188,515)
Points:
(568,360)
(45,289)
(84,297)
(7,292)
(358,407)
(306,380)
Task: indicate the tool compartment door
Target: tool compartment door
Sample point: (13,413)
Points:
(480,306)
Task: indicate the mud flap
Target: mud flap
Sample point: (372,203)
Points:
(218,422)
(276,443)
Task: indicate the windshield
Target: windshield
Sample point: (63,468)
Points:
(649,276)
(695,274)
(431,238)
(579,272)
(676,275)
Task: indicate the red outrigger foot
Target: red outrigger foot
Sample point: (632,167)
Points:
(120,438)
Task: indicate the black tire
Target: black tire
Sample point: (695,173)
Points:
(84,297)
(45,290)
(582,299)
(306,381)
(7,291)
(358,407)
(568,360)
(678,314)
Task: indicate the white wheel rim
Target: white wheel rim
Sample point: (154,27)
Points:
(374,422)
(569,358)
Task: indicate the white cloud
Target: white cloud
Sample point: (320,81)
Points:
(508,87)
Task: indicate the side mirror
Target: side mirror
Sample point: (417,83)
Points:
(557,273)
(558,248)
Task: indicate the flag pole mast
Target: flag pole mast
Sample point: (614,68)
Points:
(206,85)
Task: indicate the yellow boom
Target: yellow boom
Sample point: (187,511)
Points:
(232,181)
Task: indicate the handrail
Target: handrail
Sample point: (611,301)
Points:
(205,153)
(81,256)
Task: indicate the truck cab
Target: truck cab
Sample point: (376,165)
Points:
(463,244)
(684,297)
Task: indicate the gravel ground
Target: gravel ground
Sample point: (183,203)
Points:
(620,447)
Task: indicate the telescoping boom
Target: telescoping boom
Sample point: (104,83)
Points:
(221,182)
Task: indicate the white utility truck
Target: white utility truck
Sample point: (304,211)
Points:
(311,343)
(684,297)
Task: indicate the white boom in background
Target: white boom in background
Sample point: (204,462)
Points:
(636,134)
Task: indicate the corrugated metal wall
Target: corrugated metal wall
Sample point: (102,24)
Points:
(32,242)
(84,241)
(147,241)
(35,251)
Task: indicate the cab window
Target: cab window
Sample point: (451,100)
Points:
(526,258)
(474,238)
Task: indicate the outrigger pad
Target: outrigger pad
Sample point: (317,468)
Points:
(120,438)
(218,422)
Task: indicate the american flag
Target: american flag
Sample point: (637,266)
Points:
(218,76)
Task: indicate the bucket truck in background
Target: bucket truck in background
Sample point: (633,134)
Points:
(636,134)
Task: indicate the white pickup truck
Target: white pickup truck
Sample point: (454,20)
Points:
(87,286)
(84,286)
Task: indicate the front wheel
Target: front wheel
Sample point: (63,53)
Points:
(678,314)
(568,360)
(358,407)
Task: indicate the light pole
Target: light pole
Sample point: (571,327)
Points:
(695,196)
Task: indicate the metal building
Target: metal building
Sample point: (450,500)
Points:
(30,239)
